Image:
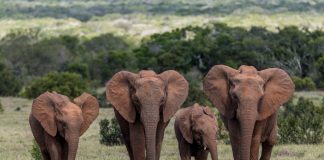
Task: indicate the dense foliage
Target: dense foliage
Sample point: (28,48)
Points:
(301,123)
(66,83)
(304,84)
(110,133)
(9,84)
(190,50)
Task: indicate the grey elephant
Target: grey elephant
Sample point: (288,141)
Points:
(144,104)
(196,132)
(57,123)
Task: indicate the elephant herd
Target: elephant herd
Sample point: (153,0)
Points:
(144,103)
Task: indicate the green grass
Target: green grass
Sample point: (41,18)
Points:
(16,138)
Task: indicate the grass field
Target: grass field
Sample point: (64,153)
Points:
(137,26)
(16,138)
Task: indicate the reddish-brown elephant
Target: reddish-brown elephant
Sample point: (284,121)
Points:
(57,123)
(248,101)
(144,104)
(196,132)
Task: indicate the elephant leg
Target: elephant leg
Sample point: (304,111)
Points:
(256,139)
(124,127)
(268,144)
(159,137)
(184,149)
(54,147)
(234,133)
(266,151)
(38,133)
(201,155)
(137,139)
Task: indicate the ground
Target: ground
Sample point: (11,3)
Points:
(16,138)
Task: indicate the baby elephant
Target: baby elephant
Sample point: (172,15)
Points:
(196,132)
(57,123)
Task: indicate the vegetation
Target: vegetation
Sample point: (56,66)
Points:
(69,84)
(110,132)
(1,109)
(301,123)
(9,84)
(304,84)
(35,151)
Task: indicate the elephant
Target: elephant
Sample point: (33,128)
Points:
(248,101)
(57,123)
(144,104)
(196,132)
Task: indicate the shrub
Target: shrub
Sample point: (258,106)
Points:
(35,151)
(103,101)
(69,84)
(301,123)
(1,109)
(79,68)
(196,95)
(222,134)
(110,132)
(305,83)
(9,84)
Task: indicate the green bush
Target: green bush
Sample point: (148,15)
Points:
(305,83)
(103,101)
(1,109)
(35,151)
(110,133)
(222,132)
(9,84)
(196,95)
(301,123)
(79,68)
(69,84)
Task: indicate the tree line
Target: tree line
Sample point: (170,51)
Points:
(25,56)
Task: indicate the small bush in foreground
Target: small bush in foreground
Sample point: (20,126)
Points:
(1,108)
(301,123)
(110,133)
(35,151)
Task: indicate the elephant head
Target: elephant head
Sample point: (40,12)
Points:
(147,95)
(198,125)
(247,95)
(58,115)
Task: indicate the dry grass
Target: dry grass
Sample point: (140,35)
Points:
(16,138)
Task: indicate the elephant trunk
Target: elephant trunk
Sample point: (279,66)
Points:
(73,143)
(150,119)
(212,146)
(247,121)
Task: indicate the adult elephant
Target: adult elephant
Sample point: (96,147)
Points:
(57,123)
(248,101)
(143,105)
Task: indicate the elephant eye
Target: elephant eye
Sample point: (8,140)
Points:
(136,100)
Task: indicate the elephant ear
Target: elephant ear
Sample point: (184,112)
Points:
(184,118)
(216,87)
(277,90)
(90,110)
(209,112)
(176,90)
(43,109)
(118,94)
